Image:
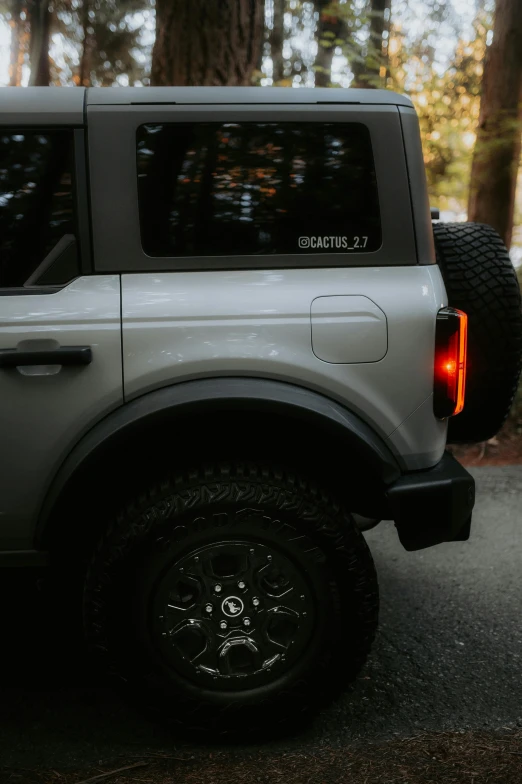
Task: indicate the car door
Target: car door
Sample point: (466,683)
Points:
(60,330)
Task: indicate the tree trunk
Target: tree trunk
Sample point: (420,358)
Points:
(372,69)
(497,148)
(329,29)
(277,37)
(40,23)
(207,42)
(16,59)
(84,75)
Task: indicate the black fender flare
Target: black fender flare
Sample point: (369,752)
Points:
(226,394)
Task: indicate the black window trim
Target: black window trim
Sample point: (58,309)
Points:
(82,193)
(117,245)
(81,206)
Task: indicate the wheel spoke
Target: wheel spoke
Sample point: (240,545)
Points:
(190,638)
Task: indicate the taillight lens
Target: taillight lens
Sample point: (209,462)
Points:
(450,362)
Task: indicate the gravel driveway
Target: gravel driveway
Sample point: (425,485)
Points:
(448,656)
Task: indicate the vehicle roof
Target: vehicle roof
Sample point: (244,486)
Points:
(65,105)
(235,95)
(42,105)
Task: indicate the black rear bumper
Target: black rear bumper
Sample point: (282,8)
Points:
(433,506)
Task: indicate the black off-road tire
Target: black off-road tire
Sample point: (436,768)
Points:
(281,525)
(480,280)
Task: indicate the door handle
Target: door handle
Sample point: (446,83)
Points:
(65,355)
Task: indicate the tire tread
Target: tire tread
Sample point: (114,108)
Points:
(480,280)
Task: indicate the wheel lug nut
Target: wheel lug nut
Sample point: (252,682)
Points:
(255,602)
(217,588)
(246,621)
(223,625)
(241,584)
(208,608)
(269,558)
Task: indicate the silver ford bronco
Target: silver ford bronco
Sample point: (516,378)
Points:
(233,337)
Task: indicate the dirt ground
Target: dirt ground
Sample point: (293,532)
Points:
(431,758)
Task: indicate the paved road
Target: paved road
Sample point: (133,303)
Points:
(448,655)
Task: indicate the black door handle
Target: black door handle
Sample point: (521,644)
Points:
(66,355)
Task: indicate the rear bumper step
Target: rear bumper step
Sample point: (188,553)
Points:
(433,506)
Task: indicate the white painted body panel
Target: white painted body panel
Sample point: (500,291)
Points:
(180,325)
(47,408)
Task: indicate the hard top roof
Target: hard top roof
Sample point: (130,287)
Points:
(65,105)
(239,95)
(41,105)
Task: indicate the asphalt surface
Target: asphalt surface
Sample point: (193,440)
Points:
(448,655)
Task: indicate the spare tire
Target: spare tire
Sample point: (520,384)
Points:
(480,280)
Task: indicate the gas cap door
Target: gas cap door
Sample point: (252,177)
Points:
(348,329)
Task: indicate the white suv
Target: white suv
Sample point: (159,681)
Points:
(227,348)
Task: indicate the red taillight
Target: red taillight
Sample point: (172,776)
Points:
(450,362)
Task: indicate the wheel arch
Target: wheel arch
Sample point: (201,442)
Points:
(207,419)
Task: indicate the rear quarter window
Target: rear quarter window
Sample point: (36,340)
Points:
(226,189)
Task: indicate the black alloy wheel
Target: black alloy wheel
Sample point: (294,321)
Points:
(233,615)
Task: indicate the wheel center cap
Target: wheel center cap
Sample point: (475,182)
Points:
(232,606)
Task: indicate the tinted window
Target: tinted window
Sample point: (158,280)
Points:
(214,189)
(36,200)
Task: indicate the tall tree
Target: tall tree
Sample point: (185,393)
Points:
(40,26)
(277,37)
(497,148)
(207,42)
(328,35)
(18,42)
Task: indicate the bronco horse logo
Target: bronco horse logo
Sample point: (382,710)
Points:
(232,606)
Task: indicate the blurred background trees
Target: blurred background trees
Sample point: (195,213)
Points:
(497,148)
(76,42)
(459,60)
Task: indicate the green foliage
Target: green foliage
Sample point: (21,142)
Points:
(349,18)
(114,40)
(363,53)
(111,31)
(447,102)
